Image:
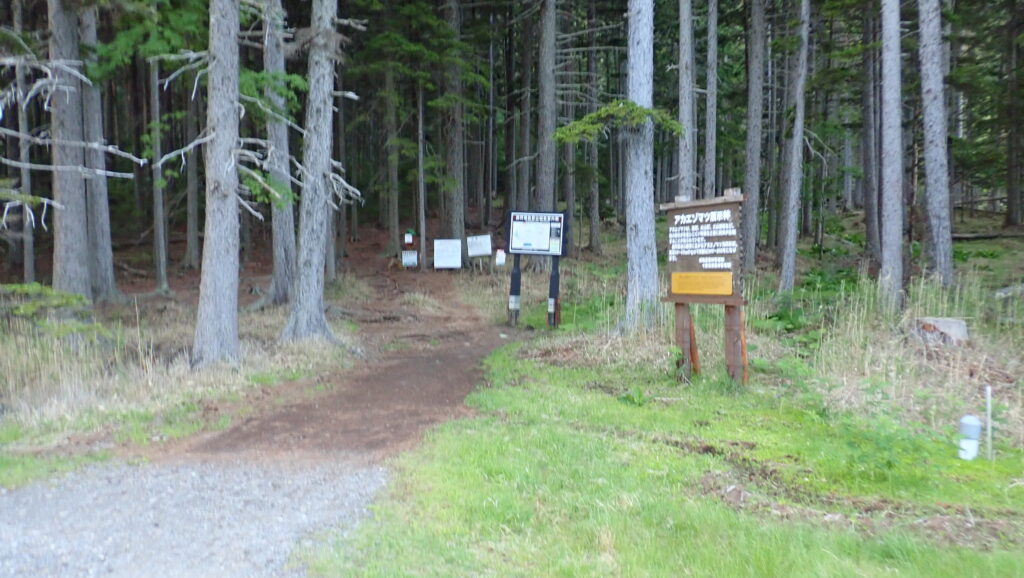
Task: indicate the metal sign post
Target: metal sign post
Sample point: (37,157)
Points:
(537,234)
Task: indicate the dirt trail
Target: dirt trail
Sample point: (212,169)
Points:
(423,349)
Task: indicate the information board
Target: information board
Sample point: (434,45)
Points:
(704,247)
(447,253)
(536,233)
(479,246)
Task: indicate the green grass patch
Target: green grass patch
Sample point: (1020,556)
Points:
(614,470)
(19,469)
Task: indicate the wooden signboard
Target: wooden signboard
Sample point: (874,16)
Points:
(705,266)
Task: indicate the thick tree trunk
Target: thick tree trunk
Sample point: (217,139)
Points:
(104,285)
(282,210)
(547,110)
(711,108)
(891,274)
(687,171)
(306,319)
(641,254)
(24,155)
(455,193)
(755,109)
(793,167)
(511,188)
(71,237)
(933,101)
(216,336)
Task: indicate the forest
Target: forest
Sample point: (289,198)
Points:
(213,360)
(113,112)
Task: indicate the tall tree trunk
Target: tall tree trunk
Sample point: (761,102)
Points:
(593,91)
(511,114)
(755,110)
(490,138)
(711,108)
(547,111)
(794,157)
(391,128)
(421,179)
(71,238)
(525,122)
(216,336)
(891,274)
(1014,196)
(191,260)
(24,155)
(104,285)
(282,212)
(306,319)
(159,220)
(869,140)
(687,107)
(455,192)
(341,233)
(641,254)
(933,101)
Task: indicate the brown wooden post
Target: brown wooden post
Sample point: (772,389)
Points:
(689,360)
(735,344)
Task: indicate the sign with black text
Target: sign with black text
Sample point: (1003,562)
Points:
(537,234)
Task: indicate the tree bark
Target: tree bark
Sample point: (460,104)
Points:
(711,108)
(592,149)
(891,274)
(282,212)
(104,285)
(421,179)
(71,238)
(455,192)
(391,128)
(216,336)
(793,167)
(755,111)
(641,254)
(24,155)
(1014,196)
(159,219)
(191,260)
(933,101)
(306,319)
(687,109)
(869,150)
(525,122)
(547,110)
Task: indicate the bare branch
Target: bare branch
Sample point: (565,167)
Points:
(96,146)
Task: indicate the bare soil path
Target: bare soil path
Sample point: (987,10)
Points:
(306,456)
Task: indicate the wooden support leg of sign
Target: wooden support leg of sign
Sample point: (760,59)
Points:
(686,338)
(735,344)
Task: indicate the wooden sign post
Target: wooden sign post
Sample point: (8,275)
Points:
(704,266)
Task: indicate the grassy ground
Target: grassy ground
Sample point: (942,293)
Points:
(124,371)
(588,457)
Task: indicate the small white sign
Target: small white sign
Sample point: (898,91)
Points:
(447,253)
(499,258)
(479,246)
(410,259)
(408,238)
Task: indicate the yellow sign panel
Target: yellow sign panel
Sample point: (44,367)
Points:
(702,283)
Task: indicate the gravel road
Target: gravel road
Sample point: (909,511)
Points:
(203,520)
